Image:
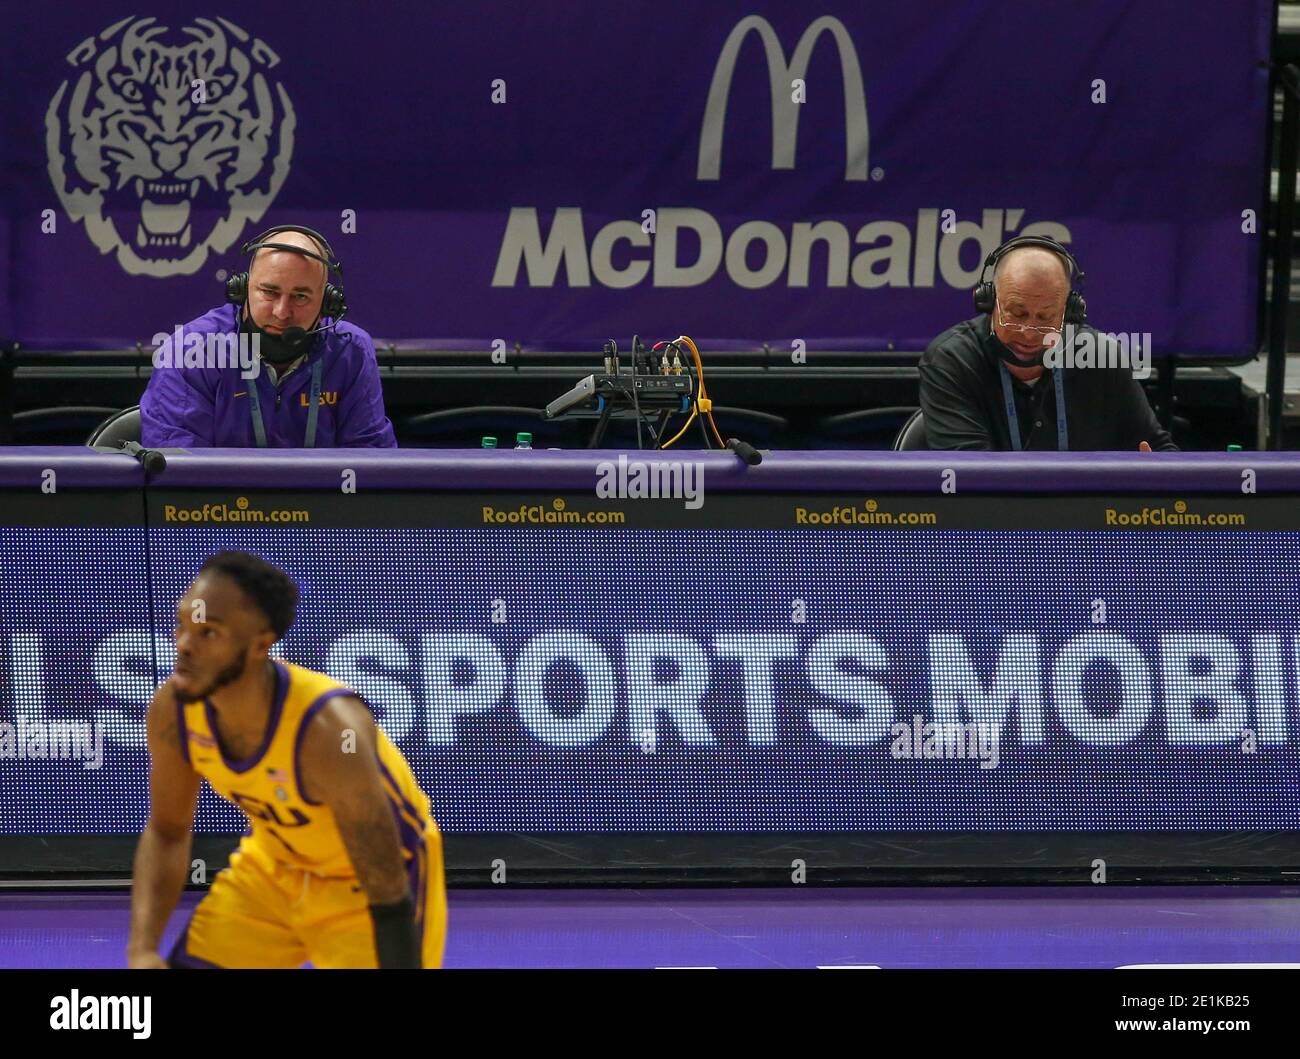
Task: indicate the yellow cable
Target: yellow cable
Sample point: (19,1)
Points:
(682,431)
(703,395)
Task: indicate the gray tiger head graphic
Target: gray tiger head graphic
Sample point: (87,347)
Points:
(167,148)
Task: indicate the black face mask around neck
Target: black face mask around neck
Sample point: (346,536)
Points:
(276,350)
(1009,355)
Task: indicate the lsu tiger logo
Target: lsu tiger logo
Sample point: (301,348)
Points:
(167,146)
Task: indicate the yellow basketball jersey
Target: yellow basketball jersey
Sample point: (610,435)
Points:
(284,825)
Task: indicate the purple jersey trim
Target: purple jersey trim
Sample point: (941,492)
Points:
(412,841)
(182,959)
(397,789)
(415,842)
(317,705)
(277,708)
(279,838)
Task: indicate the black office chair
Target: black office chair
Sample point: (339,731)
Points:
(866,428)
(763,430)
(912,437)
(62,425)
(117,428)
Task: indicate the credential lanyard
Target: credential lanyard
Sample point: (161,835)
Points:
(255,408)
(1013,421)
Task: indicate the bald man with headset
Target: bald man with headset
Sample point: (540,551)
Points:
(310,384)
(984,384)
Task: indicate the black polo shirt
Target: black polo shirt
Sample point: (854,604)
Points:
(964,408)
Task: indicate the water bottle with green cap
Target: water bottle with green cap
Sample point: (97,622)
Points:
(523,440)
(489,443)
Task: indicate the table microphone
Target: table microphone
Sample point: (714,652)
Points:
(153,460)
(745,451)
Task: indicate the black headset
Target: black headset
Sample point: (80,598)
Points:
(1076,309)
(333,305)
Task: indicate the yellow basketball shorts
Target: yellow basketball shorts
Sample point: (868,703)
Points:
(261,913)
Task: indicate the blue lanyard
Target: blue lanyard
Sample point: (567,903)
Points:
(1013,421)
(255,408)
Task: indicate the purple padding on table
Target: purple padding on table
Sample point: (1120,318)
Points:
(894,472)
(75,467)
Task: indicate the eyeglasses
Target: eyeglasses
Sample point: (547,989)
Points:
(1028,328)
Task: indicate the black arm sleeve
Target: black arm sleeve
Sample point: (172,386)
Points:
(396,941)
(951,412)
(1140,420)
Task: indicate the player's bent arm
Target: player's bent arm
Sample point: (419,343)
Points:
(162,858)
(340,767)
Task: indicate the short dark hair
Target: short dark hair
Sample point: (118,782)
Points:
(266,585)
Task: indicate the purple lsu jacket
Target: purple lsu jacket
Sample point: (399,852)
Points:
(198,397)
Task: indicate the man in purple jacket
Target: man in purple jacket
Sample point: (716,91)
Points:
(261,371)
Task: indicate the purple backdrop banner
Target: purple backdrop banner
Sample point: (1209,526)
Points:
(552,174)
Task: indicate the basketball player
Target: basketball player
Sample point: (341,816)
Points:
(342,862)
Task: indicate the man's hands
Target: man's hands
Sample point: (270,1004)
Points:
(1144,447)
